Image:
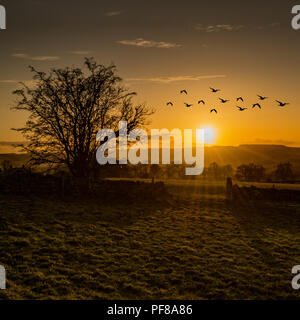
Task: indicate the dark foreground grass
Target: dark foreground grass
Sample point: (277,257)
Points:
(195,248)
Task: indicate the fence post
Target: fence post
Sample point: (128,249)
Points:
(229,189)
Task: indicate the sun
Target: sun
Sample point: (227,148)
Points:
(209,135)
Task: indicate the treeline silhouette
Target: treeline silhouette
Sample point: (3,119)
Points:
(283,173)
(246,172)
(61,184)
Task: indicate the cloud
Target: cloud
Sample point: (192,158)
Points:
(140,42)
(45,58)
(178,78)
(277,142)
(80,53)
(274,25)
(35,58)
(113,13)
(218,27)
(269,26)
(20,55)
(28,83)
(11,143)
(230,27)
(8,81)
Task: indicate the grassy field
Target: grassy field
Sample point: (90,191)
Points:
(197,246)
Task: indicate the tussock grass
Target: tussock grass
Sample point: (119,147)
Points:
(196,247)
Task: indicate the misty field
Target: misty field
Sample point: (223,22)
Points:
(196,245)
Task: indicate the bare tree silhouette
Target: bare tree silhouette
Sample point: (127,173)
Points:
(67,107)
(250,172)
(284,172)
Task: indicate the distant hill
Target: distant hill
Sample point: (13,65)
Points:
(9,147)
(17,160)
(267,155)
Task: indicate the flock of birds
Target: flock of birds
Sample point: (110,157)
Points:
(239,99)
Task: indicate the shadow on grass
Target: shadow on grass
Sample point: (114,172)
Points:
(257,216)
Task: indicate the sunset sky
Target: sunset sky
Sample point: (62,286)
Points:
(244,48)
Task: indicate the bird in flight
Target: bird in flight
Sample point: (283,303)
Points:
(201,101)
(223,100)
(183,91)
(241,109)
(213,110)
(282,104)
(262,98)
(214,90)
(188,105)
(170,104)
(240,99)
(256,105)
